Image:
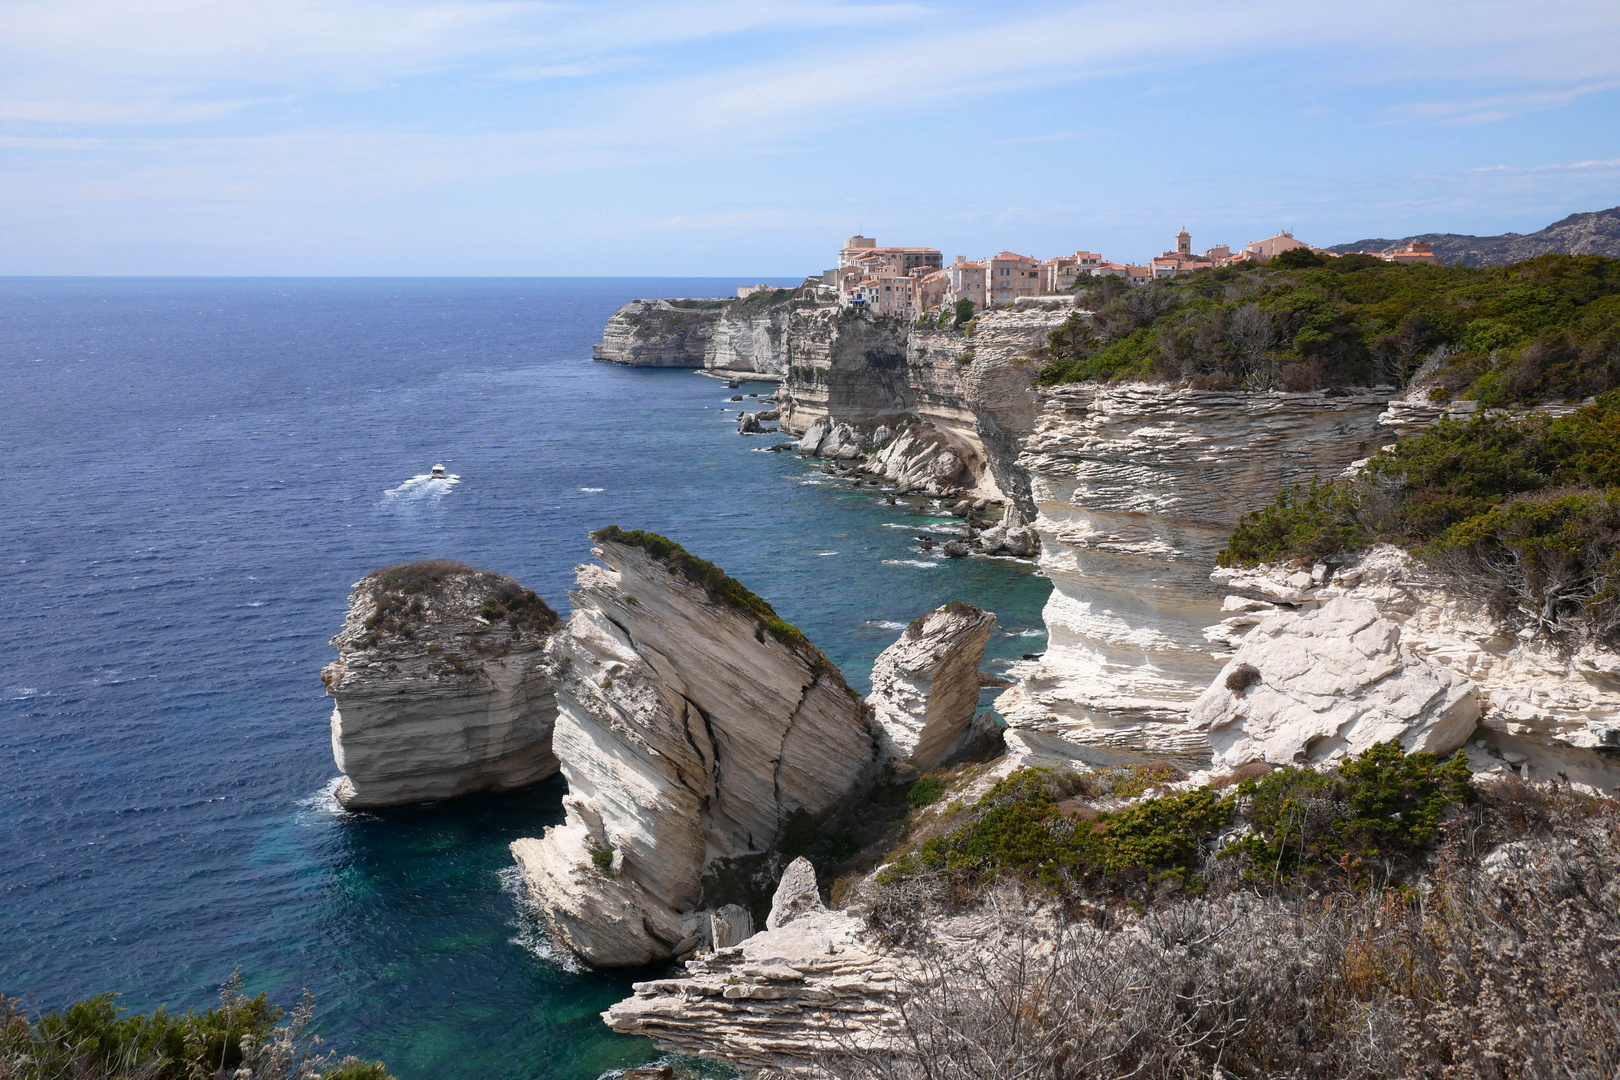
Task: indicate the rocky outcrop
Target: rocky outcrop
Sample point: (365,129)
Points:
(439,686)
(811,984)
(735,337)
(660,333)
(932,409)
(1138,487)
(925,687)
(1319,686)
(1554,706)
(692,723)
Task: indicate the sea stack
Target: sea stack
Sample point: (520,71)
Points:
(440,687)
(692,722)
(925,687)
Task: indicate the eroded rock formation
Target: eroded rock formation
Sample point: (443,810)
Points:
(810,984)
(925,687)
(439,686)
(1554,706)
(1138,487)
(692,722)
(1319,686)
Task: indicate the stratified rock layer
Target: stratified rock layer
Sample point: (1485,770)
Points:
(1138,487)
(691,725)
(440,687)
(809,984)
(1320,686)
(925,687)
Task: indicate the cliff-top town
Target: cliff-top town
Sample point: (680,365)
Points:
(906,281)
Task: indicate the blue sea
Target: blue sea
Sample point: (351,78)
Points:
(193,472)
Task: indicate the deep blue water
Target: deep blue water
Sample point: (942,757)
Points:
(194,472)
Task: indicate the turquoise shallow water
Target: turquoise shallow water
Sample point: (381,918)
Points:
(196,472)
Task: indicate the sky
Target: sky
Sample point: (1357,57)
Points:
(721,137)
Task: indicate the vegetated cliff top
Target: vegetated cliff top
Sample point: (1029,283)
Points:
(1524,510)
(445,610)
(721,587)
(1544,329)
(1595,232)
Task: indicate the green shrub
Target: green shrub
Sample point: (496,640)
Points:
(1544,329)
(1375,811)
(96,1040)
(962,314)
(1524,509)
(925,792)
(720,586)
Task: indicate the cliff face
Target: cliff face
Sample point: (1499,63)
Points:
(953,392)
(731,336)
(973,395)
(1554,707)
(690,727)
(1137,487)
(659,333)
(439,686)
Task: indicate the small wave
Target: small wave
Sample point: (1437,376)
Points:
(324,801)
(825,553)
(423,486)
(23,693)
(593,491)
(532,935)
(918,563)
(813,483)
(256,603)
(884,624)
(1029,633)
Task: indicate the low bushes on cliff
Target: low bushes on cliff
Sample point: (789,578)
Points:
(1544,329)
(1521,511)
(1504,967)
(720,586)
(1369,820)
(403,595)
(239,1039)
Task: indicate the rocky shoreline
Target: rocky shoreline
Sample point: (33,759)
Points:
(704,739)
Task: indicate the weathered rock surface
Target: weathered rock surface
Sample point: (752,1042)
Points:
(692,722)
(809,984)
(439,686)
(1319,686)
(659,333)
(1138,487)
(1558,704)
(925,687)
(797,894)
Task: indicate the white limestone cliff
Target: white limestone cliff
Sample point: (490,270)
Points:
(925,687)
(439,686)
(692,722)
(1554,706)
(1138,486)
(1319,686)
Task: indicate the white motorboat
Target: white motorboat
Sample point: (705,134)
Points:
(439,473)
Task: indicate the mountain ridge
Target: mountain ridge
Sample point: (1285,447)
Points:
(1593,232)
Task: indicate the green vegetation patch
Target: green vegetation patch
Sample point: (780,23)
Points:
(403,593)
(1526,509)
(1370,817)
(1359,821)
(96,1040)
(1544,329)
(721,587)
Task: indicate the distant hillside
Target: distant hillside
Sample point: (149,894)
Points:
(1593,233)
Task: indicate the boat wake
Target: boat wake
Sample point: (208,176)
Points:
(424,486)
